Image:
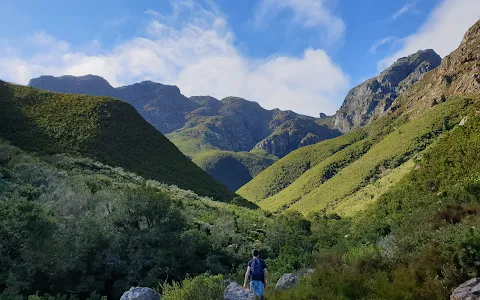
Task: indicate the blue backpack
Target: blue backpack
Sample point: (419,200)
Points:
(256,270)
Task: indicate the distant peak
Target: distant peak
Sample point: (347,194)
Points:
(71,78)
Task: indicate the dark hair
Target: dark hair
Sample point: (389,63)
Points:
(255,252)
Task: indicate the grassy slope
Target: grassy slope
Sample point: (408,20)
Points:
(292,166)
(309,193)
(234,169)
(370,193)
(419,240)
(417,118)
(102,128)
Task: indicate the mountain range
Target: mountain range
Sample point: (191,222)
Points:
(94,199)
(216,129)
(202,123)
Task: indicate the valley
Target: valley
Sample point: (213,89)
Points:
(107,189)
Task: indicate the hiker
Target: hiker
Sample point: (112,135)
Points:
(258,273)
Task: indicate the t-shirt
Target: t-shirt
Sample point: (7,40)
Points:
(261,275)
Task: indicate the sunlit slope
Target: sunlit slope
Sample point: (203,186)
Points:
(288,169)
(310,192)
(419,117)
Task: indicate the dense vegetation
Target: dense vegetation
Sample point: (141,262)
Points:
(234,169)
(75,226)
(420,239)
(105,129)
(342,174)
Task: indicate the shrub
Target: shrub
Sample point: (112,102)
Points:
(202,287)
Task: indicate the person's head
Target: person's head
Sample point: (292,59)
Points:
(255,253)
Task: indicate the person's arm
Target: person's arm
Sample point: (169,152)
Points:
(247,274)
(265,272)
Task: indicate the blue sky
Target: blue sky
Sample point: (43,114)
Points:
(302,55)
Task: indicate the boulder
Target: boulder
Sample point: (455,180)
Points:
(287,281)
(463,121)
(469,290)
(234,291)
(140,293)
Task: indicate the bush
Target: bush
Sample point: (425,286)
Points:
(202,287)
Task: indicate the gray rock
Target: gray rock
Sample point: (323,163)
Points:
(463,121)
(375,96)
(287,281)
(469,290)
(234,291)
(140,293)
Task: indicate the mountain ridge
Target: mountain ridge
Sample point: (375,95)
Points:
(373,97)
(102,128)
(231,124)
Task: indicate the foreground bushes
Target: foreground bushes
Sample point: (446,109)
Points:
(202,287)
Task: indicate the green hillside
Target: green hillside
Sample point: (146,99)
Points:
(419,240)
(364,162)
(71,225)
(102,128)
(321,177)
(288,169)
(234,169)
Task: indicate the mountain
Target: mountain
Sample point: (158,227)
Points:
(234,169)
(161,105)
(102,128)
(202,123)
(374,97)
(346,174)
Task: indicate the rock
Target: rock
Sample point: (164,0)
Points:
(469,290)
(375,96)
(323,116)
(234,291)
(140,293)
(287,281)
(463,121)
(294,134)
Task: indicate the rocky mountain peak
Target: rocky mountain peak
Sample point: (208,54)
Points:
(376,95)
(472,35)
(457,76)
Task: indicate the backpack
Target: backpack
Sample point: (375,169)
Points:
(256,270)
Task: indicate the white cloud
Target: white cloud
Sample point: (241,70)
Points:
(380,43)
(442,31)
(309,13)
(403,10)
(200,57)
(153,13)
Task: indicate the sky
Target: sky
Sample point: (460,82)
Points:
(301,55)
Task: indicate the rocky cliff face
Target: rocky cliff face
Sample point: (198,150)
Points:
(203,122)
(457,76)
(375,96)
(294,134)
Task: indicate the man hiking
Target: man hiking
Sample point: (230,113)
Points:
(258,273)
